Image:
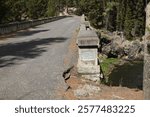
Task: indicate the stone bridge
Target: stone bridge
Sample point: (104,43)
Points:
(32,60)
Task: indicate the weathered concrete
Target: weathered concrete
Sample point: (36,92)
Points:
(13,27)
(82,19)
(88,43)
(88,54)
(87,38)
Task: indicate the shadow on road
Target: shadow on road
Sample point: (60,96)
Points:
(11,53)
(29,32)
(22,33)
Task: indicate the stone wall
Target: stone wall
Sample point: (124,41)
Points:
(13,27)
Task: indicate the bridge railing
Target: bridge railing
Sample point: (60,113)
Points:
(13,27)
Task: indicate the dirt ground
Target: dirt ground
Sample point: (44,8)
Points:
(106,93)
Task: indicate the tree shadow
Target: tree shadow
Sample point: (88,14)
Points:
(21,33)
(29,32)
(11,53)
(128,75)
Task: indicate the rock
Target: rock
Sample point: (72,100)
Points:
(117,41)
(140,56)
(115,97)
(92,77)
(116,50)
(86,90)
(134,50)
(66,73)
(81,93)
(121,48)
(66,76)
(105,41)
(91,89)
(106,49)
(126,45)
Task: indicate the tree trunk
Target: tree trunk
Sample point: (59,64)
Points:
(146,80)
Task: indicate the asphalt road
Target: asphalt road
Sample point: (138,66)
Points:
(32,62)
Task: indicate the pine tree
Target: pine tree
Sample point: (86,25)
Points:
(121,12)
(3,10)
(36,8)
(52,8)
(139,23)
(129,20)
(110,15)
(17,9)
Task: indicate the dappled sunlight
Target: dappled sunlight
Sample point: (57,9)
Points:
(11,53)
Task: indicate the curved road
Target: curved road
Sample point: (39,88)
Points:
(32,62)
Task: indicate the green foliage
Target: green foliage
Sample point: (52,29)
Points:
(3,10)
(16,9)
(127,16)
(122,15)
(134,24)
(36,8)
(51,10)
(110,14)
(108,64)
(129,20)
(139,24)
(93,9)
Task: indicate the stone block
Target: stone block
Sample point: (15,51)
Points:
(88,56)
(89,72)
(88,69)
(87,38)
(91,77)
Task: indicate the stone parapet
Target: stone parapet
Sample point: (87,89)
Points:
(13,27)
(87,38)
(88,44)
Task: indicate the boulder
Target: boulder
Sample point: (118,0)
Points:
(114,48)
(135,50)
(120,48)
(106,49)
